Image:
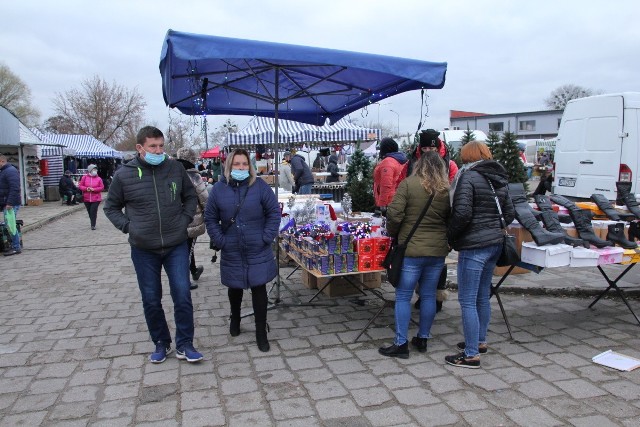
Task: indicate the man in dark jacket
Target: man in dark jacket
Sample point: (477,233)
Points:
(68,188)
(332,168)
(153,200)
(10,198)
(301,173)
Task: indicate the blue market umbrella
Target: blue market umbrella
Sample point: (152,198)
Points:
(204,75)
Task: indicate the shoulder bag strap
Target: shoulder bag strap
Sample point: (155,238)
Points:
(503,225)
(415,226)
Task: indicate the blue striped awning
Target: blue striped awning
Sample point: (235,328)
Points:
(83,145)
(260,131)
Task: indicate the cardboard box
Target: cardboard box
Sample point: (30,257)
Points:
(339,286)
(34,202)
(609,255)
(377,261)
(366,246)
(582,257)
(546,256)
(269,179)
(591,207)
(371,280)
(309,281)
(366,263)
(382,245)
(601,227)
(630,256)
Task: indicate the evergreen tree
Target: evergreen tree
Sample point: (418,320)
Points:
(508,154)
(467,137)
(454,154)
(493,140)
(360,182)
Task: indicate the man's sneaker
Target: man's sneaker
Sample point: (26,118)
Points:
(482,348)
(160,355)
(189,354)
(461,361)
(196,275)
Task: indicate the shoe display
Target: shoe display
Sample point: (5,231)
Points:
(461,361)
(628,198)
(605,206)
(482,348)
(197,273)
(189,353)
(582,221)
(419,344)
(528,220)
(400,351)
(615,234)
(160,355)
(552,223)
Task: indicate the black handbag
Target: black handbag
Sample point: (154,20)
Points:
(509,254)
(395,257)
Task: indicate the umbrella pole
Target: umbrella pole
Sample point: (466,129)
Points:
(276,177)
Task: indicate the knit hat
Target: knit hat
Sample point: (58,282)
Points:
(187,154)
(67,172)
(429,138)
(286,153)
(91,167)
(387,145)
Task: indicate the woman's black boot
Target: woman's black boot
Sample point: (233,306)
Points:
(400,351)
(419,344)
(235,299)
(616,235)
(260,301)
(605,206)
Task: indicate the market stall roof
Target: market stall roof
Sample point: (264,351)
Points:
(84,145)
(211,152)
(260,130)
(204,74)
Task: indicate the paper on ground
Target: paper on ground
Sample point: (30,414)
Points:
(617,361)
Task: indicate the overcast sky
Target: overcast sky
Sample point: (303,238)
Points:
(503,56)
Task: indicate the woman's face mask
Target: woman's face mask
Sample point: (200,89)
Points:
(239,174)
(94,173)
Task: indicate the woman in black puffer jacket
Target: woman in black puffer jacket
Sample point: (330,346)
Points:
(475,231)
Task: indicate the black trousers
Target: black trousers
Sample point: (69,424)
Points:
(259,300)
(92,210)
(192,258)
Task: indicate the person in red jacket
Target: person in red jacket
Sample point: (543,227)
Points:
(389,172)
(91,185)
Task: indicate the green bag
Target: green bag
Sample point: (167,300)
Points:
(10,221)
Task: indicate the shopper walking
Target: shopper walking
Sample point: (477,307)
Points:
(91,186)
(10,200)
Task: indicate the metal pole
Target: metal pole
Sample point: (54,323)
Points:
(394,112)
(277,177)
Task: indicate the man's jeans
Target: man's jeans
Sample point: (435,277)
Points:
(305,189)
(148,266)
(475,270)
(426,272)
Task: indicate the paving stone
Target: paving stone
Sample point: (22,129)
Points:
(524,417)
(538,389)
(487,382)
(340,367)
(529,359)
(244,402)
(26,419)
(612,406)
(623,389)
(358,380)
(95,376)
(157,411)
(46,386)
(373,396)
(565,406)
(415,396)
(121,408)
(387,416)
(337,408)
(238,385)
(325,390)
(246,418)
(287,390)
(199,399)
(121,391)
(444,384)
(204,417)
(291,408)
(34,402)
(315,375)
(593,420)
(569,360)
(304,362)
(485,418)
(580,388)
(279,376)
(508,399)
(70,411)
(399,381)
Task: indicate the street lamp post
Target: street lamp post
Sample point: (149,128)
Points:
(394,112)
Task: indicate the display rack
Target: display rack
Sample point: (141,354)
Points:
(33,180)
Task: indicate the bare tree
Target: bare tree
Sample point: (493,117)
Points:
(57,124)
(108,112)
(15,96)
(183,133)
(559,97)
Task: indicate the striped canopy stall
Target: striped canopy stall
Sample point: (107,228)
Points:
(83,145)
(260,130)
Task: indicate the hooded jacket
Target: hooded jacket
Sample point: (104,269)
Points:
(475,221)
(247,259)
(9,186)
(430,238)
(387,175)
(451,166)
(94,182)
(196,227)
(153,204)
(300,170)
(332,168)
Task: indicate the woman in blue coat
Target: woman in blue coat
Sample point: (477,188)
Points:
(242,218)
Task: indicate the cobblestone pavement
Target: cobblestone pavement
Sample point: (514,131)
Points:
(74,349)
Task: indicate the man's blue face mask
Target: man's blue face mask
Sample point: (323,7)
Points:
(153,159)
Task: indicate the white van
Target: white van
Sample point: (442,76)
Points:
(453,138)
(598,145)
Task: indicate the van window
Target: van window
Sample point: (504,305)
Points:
(528,125)
(496,127)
